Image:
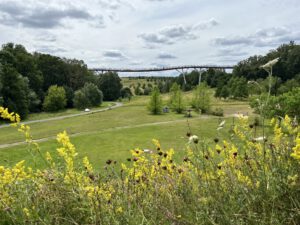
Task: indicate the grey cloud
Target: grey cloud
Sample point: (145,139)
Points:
(231,52)
(174,33)
(114,54)
(268,37)
(39,17)
(135,63)
(233,41)
(272,32)
(98,22)
(229,55)
(164,55)
(110,4)
(114,17)
(10,8)
(177,31)
(50,49)
(155,38)
(207,24)
(115,4)
(159,65)
(159,0)
(46,37)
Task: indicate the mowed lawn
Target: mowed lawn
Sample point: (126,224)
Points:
(111,134)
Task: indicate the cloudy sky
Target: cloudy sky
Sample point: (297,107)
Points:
(143,33)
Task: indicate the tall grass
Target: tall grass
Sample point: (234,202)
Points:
(244,180)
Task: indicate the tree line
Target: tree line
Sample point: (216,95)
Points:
(34,82)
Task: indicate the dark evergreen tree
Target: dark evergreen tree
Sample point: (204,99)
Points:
(110,84)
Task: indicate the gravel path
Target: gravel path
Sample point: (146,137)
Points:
(116,105)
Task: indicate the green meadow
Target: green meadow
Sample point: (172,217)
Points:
(113,133)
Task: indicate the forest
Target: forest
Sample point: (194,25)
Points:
(34,82)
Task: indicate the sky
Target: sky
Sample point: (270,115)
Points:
(150,33)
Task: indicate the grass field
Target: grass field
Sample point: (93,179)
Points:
(111,134)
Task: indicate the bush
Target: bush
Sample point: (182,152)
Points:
(88,96)
(201,98)
(285,104)
(147,91)
(55,99)
(241,181)
(93,94)
(126,93)
(80,100)
(218,112)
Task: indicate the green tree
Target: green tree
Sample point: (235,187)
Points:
(69,95)
(24,63)
(138,90)
(201,99)
(80,100)
(176,100)
(155,104)
(238,87)
(285,104)
(34,102)
(55,99)
(224,92)
(110,84)
(93,94)
(15,90)
(126,93)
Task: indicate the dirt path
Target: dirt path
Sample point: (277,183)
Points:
(116,105)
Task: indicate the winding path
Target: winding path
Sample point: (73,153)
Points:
(116,105)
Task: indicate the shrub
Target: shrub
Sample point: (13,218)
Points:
(55,99)
(147,91)
(88,96)
(93,94)
(201,98)
(285,104)
(80,100)
(126,93)
(218,112)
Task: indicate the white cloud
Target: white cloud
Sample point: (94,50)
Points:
(123,33)
(264,37)
(174,33)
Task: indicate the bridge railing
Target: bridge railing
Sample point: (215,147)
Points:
(156,69)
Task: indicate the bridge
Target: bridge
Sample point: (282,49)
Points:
(159,69)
